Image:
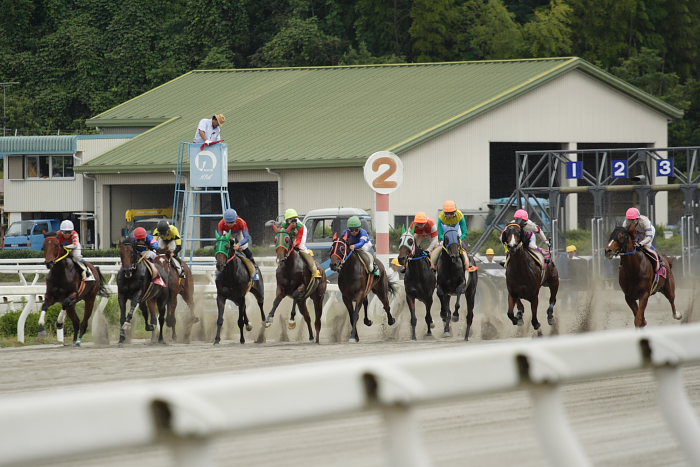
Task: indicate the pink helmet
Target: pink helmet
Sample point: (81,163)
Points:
(521,214)
(632,213)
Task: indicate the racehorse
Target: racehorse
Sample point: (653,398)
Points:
(525,275)
(233,281)
(637,278)
(451,280)
(183,286)
(294,280)
(355,282)
(134,284)
(64,285)
(419,280)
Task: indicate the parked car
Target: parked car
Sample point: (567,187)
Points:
(29,234)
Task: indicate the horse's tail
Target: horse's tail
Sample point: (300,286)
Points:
(670,261)
(102,292)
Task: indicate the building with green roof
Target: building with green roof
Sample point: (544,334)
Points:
(298,137)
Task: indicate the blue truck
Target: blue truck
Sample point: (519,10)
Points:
(29,234)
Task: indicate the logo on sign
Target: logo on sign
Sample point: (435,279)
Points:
(205,162)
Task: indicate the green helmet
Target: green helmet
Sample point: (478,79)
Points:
(290,213)
(354,221)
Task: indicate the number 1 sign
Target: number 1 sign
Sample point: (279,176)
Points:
(384,172)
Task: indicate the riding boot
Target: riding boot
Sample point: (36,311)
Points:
(87,274)
(249,256)
(315,272)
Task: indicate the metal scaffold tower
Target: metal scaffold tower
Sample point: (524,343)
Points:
(554,175)
(202,175)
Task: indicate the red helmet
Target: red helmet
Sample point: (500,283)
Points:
(632,213)
(140,233)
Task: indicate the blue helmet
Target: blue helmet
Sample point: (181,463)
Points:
(230,215)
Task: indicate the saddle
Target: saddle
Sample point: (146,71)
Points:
(250,267)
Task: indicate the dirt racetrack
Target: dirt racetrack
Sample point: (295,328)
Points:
(615,418)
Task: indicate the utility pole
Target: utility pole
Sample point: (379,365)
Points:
(4,119)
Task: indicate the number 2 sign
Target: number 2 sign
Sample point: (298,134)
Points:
(383,172)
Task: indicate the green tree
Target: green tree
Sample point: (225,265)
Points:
(433,29)
(488,31)
(362,56)
(383,26)
(549,32)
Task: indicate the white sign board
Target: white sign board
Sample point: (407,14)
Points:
(208,167)
(384,172)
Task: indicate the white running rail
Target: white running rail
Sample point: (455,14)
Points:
(188,416)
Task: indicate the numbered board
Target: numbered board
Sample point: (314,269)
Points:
(384,172)
(664,167)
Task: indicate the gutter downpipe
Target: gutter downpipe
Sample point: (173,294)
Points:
(94,208)
(279,189)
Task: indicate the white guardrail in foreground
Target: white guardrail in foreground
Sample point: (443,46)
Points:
(187,416)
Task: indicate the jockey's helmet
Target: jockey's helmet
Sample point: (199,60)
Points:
(230,216)
(632,213)
(163,227)
(489,251)
(449,206)
(571,249)
(139,233)
(66,225)
(354,222)
(521,214)
(395,262)
(290,214)
(421,218)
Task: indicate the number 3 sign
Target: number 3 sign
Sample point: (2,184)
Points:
(384,172)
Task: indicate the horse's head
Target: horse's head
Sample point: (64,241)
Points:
(451,243)
(128,258)
(512,236)
(407,247)
(283,243)
(339,252)
(620,242)
(53,250)
(222,250)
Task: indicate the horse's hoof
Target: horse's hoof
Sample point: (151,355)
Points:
(43,333)
(520,321)
(267,324)
(120,345)
(216,342)
(447,334)
(352,340)
(291,324)
(150,327)
(678,316)
(550,320)
(391,321)
(242,341)
(195,320)
(535,326)
(248,327)
(413,337)
(76,344)
(368,322)
(455,318)
(127,325)
(432,326)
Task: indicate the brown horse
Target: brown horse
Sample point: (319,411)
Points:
(183,286)
(355,283)
(637,278)
(525,276)
(64,285)
(294,280)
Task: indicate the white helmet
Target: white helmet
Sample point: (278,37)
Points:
(66,225)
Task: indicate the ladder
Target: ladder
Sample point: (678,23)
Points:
(188,199)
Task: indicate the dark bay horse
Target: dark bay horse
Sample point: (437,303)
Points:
(525,276)
(419,280)
(637,278)
(233,282)
(134,284)
(451,280)
(64,285)
(294,280)
(355,283)
(183,286)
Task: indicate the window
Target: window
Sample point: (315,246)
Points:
(322,230)
(20,228)
(46,167)
(15,168)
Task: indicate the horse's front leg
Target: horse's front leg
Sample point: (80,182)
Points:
(48,301)
(365,305)
(632,303)
(639,320)
(553,289)
(121,298)
(279,295)
(353,312)
(318,308)
(220,304)
(428,302)
(73,316)
(242,318)
(471,297)
(261,300)
(511,305)
(384,298)
(411,302)
(163,311)
(169,315)
(533,307)
(445,313)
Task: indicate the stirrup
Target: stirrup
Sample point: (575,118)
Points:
(317,274)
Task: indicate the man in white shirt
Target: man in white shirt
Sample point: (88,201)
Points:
(209,129)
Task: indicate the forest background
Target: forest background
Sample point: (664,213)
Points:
(76,58)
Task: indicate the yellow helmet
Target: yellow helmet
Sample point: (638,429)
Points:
(571,249)
(290,214)
(489,251)
(395,262)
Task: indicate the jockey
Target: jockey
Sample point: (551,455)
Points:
(358,239)
(450,216)
(70,240)
(530,228)
(240,236)
(169,240)
(145,244)
(297,231)
(424,231)
(644,232)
